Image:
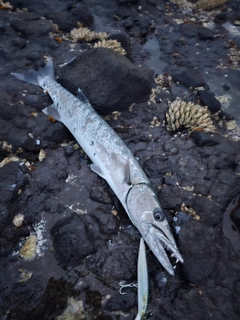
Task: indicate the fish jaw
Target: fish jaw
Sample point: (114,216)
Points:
(158,241)
(145,212)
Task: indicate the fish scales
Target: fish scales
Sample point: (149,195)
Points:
(112,160)
(99,141)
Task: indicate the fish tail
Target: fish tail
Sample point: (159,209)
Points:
(36,77)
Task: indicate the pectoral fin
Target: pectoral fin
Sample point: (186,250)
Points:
(52,112)
(97,170)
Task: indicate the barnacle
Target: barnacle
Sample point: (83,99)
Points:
(188,115)
(209,4)
(87,35)
(110,44)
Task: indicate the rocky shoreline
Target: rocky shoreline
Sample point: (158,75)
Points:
(65,240)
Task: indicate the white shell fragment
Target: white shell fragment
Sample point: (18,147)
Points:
(188,115)
(42,155)
(18,220)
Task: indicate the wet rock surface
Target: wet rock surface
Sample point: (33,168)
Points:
(112,75)
(86,244)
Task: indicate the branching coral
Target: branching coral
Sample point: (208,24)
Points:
(111,44)
(209,4)
(188,115)
(5,5)
(200,4)
(163,82)
(87,35)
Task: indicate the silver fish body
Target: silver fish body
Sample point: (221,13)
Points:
(112,160)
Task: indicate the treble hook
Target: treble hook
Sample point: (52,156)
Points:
(123,284)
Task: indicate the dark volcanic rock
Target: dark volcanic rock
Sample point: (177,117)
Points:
(7,108)
(127,1)
(97,250)
(12,179)
(30,24)
(189,29)
(106,222)
(109,80)
(153,2)
(221,18)
(205,33)
(67,20)
(27,294)
(125,302)
(235,213)
(208,99)
(71,241)
(190,78)
(99,192)
(227,183)
(210,214)
(204,138)
(82,14)
(64,20)
(157,165)
(199,259)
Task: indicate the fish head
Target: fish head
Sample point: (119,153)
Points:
(146,213)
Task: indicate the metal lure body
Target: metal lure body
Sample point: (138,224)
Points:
(142,281)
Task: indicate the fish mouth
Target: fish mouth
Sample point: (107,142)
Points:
(159,241)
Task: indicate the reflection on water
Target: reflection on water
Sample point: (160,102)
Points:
(153,60)
(230,229)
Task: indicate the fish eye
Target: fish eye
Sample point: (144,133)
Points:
(158,214)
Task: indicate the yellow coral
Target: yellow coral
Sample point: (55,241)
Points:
(111,44)
(188,115)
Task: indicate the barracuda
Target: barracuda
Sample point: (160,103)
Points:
(111,159)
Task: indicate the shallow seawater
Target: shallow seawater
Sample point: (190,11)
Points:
(229,99)
(153,61)
(230,230)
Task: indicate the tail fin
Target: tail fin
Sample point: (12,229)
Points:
(35,77)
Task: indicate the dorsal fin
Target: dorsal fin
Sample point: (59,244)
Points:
(81,96)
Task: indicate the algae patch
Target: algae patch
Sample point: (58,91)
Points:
(74,310)
(28,250)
